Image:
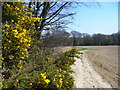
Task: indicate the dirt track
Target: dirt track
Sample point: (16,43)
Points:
(85,76)
(104,60)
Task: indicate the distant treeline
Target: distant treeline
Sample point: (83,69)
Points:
(75,38)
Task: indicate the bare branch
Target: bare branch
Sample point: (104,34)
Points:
(57,10)
(48,23)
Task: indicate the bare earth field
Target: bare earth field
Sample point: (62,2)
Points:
(85,76)
(104,61)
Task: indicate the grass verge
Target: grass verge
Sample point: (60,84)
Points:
(82,49)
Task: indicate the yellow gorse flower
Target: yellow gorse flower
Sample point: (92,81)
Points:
(54,79)
(2,58)
(17,80)
(47,81)
(22,57)
(20,62)
(57,85)
(20,67)
(43,75)
(8,5)
(7,25)
(9,41)
(30,83)
(12,20)
(60,82)
(60,75)
(15,32)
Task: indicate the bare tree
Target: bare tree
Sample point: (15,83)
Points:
(56,38)
(75,35)
(50,13)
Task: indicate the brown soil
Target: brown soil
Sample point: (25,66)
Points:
(85,76)
(104,59)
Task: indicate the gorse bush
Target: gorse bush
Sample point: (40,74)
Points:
(18,29)
(17,32)
(44,61)
(66,59)
(41,71)
(26,63)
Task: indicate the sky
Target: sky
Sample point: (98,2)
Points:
(102,18)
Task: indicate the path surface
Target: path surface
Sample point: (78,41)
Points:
(85,76)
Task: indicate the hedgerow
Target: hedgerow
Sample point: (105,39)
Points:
(26,63)
(18,26)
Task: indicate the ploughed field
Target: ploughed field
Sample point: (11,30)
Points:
(104,60)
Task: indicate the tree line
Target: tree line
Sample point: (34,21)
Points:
(74,38)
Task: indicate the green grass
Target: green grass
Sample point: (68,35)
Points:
(82,49)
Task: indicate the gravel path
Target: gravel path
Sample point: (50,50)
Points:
(85,76)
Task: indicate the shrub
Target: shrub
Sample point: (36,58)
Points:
(66,59)
(18,26)
(41,72)
(18,29)
(35,66)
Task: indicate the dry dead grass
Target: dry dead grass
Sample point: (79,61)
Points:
(62,49)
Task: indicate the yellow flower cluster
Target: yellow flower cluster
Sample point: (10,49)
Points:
(47,81)
(60,83)
(58,78)
(17,32)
